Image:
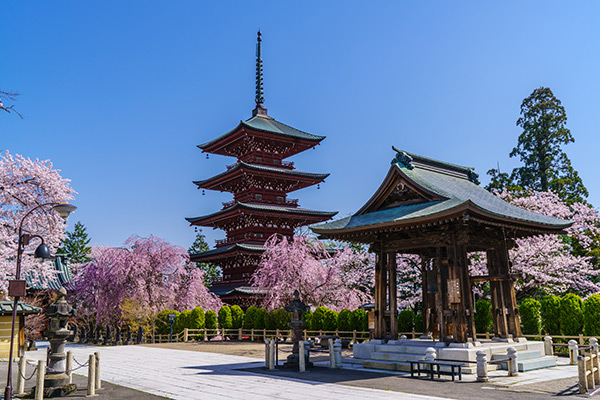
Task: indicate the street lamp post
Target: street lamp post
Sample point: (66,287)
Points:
(17,287)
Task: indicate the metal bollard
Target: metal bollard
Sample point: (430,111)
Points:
(337,353)
(20,379)
(331,355)
(301,357)
(513,366)
(69,369)
(548,349)
(91,387)
(573,352)
(482,373)
(39,380)
(98,383)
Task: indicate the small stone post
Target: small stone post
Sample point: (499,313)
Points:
(118,337)
(403,337)
(39,380)
(337,352)
(331,355)
(267,354)
(272,354)
(581,367)
(91,386)
(482,374)
(513,366)
(573,352)
(98,383)
(69,368)
(548,349)
(20,379)
(140,335)
(302,359)
(595,359)
(75,337)
(430,354)
(107,336)
(129,336)
(594,344)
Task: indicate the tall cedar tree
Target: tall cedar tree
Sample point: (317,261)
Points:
(212,273)
(75,245)
(545,164)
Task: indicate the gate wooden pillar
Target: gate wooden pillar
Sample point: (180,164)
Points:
(508,289)
(381,273)
(498,296)
(392,294)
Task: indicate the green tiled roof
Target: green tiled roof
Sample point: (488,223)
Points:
(265,168)
(265,207)
(233,288)
(6,307)
(454,184)
(230,248)
(270,125)
(62,277)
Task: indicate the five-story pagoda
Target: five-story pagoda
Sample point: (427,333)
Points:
(260,181)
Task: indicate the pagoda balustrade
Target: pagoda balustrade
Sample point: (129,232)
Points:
(258,160)
(284,202)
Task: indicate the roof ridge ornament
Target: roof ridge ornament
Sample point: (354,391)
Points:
(259,98)
(403,158)
(473,176)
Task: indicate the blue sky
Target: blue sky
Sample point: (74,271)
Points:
(119,93)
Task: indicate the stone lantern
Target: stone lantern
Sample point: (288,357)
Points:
(56,383)
(297,308)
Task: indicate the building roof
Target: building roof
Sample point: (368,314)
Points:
(6,307)
(264,208)
(264,123)
(242,247)
(446,190)
(233,288)
(61,277)
(262,168)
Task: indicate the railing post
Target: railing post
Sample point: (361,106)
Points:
(581,339)
(513,366)
(337,353)
(252,334)
(305,335)
(205,334)
(301,358)
(240,334)
(69,367)
(595,359)
(482,374)
(331,355)
(39,380)
(277,333)
(20,379)
(98,384)
(185,334)
(354,336)
(414,335)
(583,387)
(573,352)
(91,386)
(548,348)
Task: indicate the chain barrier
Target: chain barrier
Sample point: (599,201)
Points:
(32,374)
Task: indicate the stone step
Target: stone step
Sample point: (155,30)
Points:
(521,355)
(401,349)
(502,349)
(385,365)
(531,364)
(397,357)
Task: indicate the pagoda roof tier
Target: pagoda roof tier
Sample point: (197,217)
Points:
(230,180)
(420,192)
(265,133)
(227,251)
(247,214)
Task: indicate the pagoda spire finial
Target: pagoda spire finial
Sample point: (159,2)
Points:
(259,97)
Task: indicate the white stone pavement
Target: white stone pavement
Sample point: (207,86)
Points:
(189,375)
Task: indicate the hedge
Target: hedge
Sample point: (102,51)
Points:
(197,318)
(316,323)
(225,320)
(182,321)
(250,317)
(237,317)
(419,322)
(483,316)
(163,325)
(591,315)
(359,320)
(210,320)
(344,323)
(530,316)
(406,320)
(550,313)
(571,314)
(330,320)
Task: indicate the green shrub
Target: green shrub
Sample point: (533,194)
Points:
(316,323)
(225,320)
(281,319)
(197,318)
(483,316)
(571,314)
(550,313)
(163,325)
(211,320)
(530,316)
(271,320)
(359,320)
(406,320)
(237,317)
(307,318)
(591,315)
(419,322)
(260,318)
(250,317)
(330,320)
(344,320)
(182,321)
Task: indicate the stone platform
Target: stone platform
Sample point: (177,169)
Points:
(396,354)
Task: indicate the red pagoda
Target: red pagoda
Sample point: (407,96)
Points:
(260,181)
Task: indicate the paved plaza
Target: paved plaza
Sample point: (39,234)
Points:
(193,375)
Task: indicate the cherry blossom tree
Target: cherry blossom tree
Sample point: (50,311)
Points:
(144,276)
(340,280)
(25,184)
(553,264)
